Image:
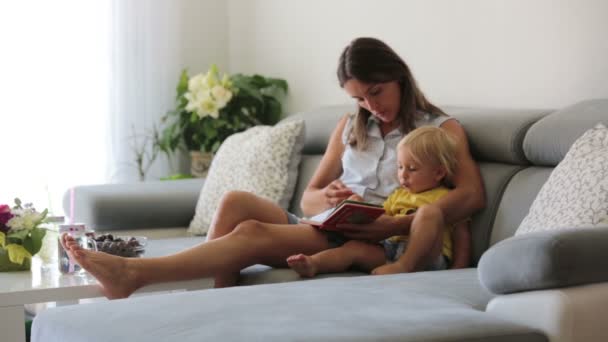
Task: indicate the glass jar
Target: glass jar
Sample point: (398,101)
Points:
(48,251)
(78,232)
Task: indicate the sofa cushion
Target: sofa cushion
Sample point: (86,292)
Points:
(495,177)
(320,123)
(262,274)
(263,160)
(120,206)
(516,201)
(496,135)
(429,306)
(548,140)
(308,166)
(576,193)
(546,260)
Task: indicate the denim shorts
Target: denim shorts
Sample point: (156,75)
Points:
(335,239)
(394,250)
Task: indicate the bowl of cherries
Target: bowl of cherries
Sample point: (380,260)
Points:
(125,246)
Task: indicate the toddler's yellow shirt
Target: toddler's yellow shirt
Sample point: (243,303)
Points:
(402,202)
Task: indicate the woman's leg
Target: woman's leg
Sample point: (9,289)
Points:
(252,242)
(424,245)
(362,255)
(236,207)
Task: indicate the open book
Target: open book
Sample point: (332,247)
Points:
(348,211)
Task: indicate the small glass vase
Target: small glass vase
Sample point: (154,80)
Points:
(7,266)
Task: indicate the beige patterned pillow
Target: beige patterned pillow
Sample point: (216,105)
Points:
(576,193)
(263,160)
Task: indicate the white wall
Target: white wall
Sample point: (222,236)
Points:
(152,42)
(509,53)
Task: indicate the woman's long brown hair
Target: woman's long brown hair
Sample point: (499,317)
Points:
(369,60)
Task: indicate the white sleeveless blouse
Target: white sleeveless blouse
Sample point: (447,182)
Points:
(372,173)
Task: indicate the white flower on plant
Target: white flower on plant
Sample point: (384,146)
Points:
(211,77)
(206,95)
(221,95)
(197,82)
(209,107)
(191,106)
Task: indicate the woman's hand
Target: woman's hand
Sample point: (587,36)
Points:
(383,227)
(336,192)
(355,197)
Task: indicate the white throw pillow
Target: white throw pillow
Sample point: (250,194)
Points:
(263,160)
(576,193)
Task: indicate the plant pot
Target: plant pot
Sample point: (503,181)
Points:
(200,163)
(7,266)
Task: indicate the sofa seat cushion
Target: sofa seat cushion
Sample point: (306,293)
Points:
(253,275)
(261,274)
(430,306)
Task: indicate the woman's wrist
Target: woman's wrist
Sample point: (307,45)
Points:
(314,202)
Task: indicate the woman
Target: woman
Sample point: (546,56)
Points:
(360,159)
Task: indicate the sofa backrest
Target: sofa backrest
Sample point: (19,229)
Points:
(545,144)
(515,149)
(495,138)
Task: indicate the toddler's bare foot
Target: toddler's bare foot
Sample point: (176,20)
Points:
(303,264)
(389,269)
(115,278)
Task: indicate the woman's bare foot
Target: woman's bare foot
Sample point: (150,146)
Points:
(115,278)
(303,265)
(389,269)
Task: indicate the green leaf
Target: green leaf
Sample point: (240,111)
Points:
(18,235)
(273,112)
(44,213)
(247,89)
(33,242)
(277,82)
(209,131)
(182,85)
(273,92)
(177,176)
(216,146)
(17,254)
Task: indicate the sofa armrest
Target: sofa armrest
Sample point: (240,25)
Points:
(564,315)
(546,260)
(135,205)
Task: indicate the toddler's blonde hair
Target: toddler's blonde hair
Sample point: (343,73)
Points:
(430,144)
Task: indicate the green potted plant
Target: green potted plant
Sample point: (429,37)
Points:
(210,108)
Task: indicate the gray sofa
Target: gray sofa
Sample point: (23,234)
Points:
(513,294)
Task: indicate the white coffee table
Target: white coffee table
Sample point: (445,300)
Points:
(47,284)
